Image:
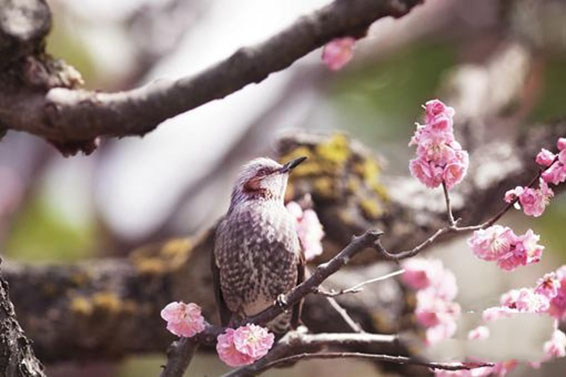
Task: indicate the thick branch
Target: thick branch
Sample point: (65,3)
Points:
(94,310)
(16,355)
(72,116)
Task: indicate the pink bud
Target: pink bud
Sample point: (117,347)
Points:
(561,144)
(338,52)
(545,157)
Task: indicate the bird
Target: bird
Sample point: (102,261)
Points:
(257,255)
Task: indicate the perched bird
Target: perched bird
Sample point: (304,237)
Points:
(257,254)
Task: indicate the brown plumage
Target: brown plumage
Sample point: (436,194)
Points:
(257,254)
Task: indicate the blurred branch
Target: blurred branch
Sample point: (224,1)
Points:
(95,309)
(156,29)
(73,119)
(17,358)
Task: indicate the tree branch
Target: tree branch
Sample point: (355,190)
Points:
(17,358)
(72,117)
(297,346)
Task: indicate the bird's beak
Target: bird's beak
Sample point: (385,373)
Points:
(292,164)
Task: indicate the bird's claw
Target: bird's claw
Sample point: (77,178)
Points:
(281,300)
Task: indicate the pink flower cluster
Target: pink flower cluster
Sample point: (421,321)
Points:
(440,158)
(244,345)
(556,171)
(500,244)
(534,200)
(236,347)
(183,319)
(546,298)
(309,230)
(436,289)
(338,52)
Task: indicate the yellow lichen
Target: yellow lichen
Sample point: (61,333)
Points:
(177,247)
(370,208)
(150,265)
(353,185)
(81,305)
(107,301)
(158,259)
(335,150)
(324,187)
(369,170)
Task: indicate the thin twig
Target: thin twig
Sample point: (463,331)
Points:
(358,287)
(321,273)
(451,220)
(298,342)
(378,357)
(355,326)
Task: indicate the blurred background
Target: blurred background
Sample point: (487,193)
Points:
(498,62)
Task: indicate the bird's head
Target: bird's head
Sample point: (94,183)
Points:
(263,179)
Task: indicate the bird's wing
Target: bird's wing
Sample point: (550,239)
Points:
(223,311)
(301,267)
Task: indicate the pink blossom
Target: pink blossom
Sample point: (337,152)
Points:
(514,194)
(548,285)
(561,144)
(545,158)
(440,157)
(531,302)
(479,333)
(338,52)
(183,319)
(430,274)
(432,310)
(558,303)
(444,330)
(309,230)
(500,244)
(429,174)
(496,312)
(492,243)
(534,201)
(435,108)
(556,346)
(524,250)
(455,172)
(244,345)
(556,173)
(419,272)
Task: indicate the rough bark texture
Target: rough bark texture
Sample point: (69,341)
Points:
(16,355)
(95,309)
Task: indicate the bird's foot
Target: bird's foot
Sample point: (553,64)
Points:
(281,300)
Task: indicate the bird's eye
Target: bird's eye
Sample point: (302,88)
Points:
(263,171)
